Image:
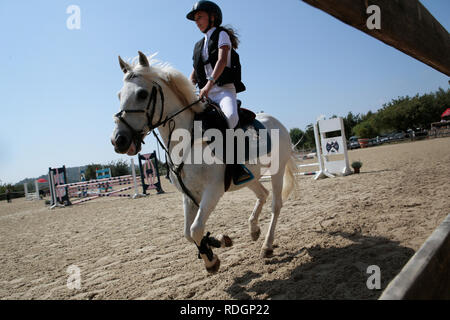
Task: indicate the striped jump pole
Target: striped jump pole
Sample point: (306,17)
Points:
(312,173)
(85,200)
(60,189)
(115,193)
(101,184)
(107,194)
(96,182)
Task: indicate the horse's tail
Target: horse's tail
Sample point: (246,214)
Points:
(289,182)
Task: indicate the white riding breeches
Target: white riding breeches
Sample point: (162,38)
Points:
(225,97)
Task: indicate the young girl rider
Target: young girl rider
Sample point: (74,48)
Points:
(212,70)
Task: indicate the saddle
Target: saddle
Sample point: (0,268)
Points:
(213,118)
(246,116)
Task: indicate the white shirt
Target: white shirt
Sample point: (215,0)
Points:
(224,40)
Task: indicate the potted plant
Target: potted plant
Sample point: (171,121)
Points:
(356,165)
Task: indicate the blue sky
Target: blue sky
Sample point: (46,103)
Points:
(59,87)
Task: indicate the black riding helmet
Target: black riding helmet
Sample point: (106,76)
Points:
(207,6)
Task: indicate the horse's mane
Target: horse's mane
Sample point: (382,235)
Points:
(174,79)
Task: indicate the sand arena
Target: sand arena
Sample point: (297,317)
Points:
(329,232)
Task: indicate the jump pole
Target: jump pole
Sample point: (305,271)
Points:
(322,172)
(86,185)
(36,184)
(312,173)
(133,173)
(54,202)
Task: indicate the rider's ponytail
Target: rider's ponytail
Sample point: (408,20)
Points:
(233,36)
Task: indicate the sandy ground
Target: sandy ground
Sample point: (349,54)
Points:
(329,232)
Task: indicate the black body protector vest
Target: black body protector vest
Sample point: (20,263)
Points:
(229,75)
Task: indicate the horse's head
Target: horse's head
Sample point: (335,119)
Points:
(144,106)
(140,108)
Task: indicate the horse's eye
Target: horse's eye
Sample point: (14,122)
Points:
(142,94)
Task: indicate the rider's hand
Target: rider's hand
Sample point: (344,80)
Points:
(205,90)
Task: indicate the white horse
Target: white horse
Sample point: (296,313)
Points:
(158,96)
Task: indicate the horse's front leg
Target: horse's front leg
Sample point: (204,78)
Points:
(210,198)
(190,211)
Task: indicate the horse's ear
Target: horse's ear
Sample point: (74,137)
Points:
(143,61)
(124,66)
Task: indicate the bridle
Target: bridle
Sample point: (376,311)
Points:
(149,127)
(138,136)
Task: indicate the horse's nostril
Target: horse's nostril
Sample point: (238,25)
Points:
(121,141)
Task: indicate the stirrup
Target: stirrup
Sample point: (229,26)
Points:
(246,179)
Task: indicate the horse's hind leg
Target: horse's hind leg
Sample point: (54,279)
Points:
(261,195)
(277,186)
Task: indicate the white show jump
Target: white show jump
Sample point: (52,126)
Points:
(326,148)
(32,195)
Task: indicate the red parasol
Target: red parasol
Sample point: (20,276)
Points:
(41,180)
(446,113)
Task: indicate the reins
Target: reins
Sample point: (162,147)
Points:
(176,170)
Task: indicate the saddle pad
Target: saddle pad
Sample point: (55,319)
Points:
(262,143)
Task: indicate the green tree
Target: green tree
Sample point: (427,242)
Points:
(407,112)
(310,142)
(91,171)
(296,135)
(16,191)
(307,138)
(366,129)
(119,168)
(350,121)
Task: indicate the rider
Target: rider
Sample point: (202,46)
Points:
(216,79)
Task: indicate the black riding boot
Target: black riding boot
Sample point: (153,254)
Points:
(241,174)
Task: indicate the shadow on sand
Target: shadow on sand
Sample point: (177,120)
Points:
(330,273)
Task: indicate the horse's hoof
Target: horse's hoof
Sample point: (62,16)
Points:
(266,253)
(255,234)
(215,267)
(225,241)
